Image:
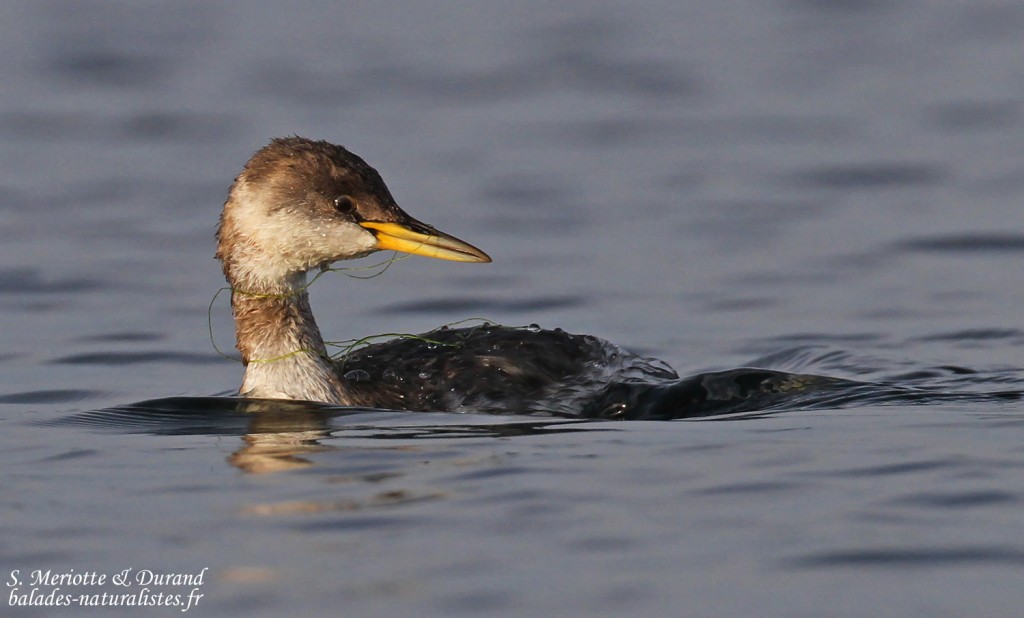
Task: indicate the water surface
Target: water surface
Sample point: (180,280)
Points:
(816,187)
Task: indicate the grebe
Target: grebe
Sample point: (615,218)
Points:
(300,204)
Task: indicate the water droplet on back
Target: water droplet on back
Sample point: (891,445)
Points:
(357,375)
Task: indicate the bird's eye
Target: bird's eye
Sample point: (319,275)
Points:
(344,204)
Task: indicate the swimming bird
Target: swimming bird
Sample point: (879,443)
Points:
(300,205)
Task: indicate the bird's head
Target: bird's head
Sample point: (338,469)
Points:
(300,204)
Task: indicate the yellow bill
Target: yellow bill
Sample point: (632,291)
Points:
(435,244)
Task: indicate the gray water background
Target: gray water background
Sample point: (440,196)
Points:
(822,186)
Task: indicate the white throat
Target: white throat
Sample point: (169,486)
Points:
(284,354)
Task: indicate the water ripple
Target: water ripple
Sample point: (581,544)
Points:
(30,281)
(870,176)
(50,396)
(975,334)
(481,305)
(237,416)
(894,469)
(957,499)
(131,358)
(975,242)
(911,558)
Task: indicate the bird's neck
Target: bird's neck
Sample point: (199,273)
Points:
(281,346)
